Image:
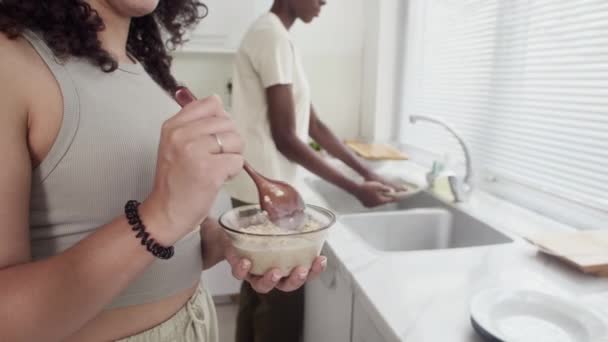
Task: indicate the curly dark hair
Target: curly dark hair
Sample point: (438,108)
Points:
(70,27)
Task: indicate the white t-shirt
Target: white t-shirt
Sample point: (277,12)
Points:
(267,57)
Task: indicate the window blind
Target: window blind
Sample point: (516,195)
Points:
(526,84)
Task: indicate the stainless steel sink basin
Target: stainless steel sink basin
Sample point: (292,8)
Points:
(420,222)
(403,231)
(421,229)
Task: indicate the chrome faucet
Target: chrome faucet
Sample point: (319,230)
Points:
(460,189)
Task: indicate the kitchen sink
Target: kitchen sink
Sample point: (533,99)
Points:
(419,222)
(421,229)
(403,231)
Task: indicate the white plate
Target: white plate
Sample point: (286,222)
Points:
(522,315)
(411,190)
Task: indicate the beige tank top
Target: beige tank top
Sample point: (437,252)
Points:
(105,154)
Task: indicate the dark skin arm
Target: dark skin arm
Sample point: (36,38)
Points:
(335,147)
(281,111)
(328,140)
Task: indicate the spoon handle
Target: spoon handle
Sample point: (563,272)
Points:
(184,97)
(252,173)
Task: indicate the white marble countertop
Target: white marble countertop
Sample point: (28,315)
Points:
(424,295)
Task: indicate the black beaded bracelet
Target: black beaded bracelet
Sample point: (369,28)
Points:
(152,246)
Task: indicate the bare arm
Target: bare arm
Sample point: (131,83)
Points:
(213,243)
(281,113)
(59,295)
(282,124)
(328,140)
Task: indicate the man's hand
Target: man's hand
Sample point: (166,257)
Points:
(373,194)
(374,177)
(272,279)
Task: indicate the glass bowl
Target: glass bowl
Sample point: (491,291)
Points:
(272,247)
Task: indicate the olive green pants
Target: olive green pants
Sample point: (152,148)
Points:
(273,317)
(195,322)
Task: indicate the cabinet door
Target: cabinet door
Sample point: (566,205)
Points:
(364,329)
(328,307)
(226,23)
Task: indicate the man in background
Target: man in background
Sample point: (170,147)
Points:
(274,113)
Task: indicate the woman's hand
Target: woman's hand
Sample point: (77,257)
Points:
(217,246)
(192,166)
(272,279)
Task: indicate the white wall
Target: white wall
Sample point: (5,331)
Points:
(204,74)
(332,51)
(382,68)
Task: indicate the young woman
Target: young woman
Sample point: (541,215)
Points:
(88,124)
(274,112)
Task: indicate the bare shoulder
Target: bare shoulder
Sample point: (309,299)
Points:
(13,99)
(15,52)
(15,177)
(20,71)
(16,56)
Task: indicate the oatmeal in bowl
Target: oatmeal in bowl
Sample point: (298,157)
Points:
(268,246)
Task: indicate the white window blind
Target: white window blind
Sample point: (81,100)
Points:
(526,84)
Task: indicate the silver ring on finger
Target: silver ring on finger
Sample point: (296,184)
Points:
(219,143)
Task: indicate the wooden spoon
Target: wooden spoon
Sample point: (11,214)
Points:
(282,203)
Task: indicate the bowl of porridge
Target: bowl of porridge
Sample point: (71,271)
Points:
(268,246)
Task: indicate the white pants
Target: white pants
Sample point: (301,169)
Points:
(195,322)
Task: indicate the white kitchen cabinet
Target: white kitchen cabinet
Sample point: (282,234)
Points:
(226,23)
(364,329)
(328,306)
